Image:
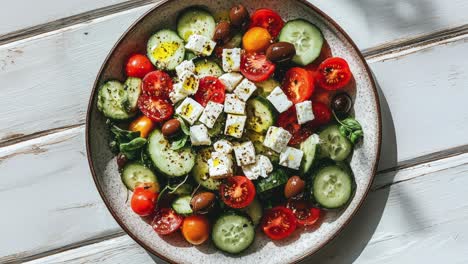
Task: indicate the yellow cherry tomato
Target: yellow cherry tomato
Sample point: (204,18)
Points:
(142,124)
(196,229)
(256,39)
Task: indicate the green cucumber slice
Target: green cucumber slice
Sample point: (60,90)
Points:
(333,186)
(132,87)
(233,233)
(111,101)
(257,140)
(134,173)
(200,170)
(165,49)
(309,147)
(254,210)
(205,67)
(267,86)
(182,205)
(277,178)
(195,21)
(334,145)
(260,114)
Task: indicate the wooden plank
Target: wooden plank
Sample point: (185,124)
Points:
(400,223)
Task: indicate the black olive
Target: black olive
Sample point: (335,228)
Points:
(342,104)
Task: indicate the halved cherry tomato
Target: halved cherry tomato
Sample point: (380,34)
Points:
(322,114)
(278,223)
(288,121)
(305,215)
(138,65)
(155,108)
(166,221)
(256,67)
(237,191)
(256,39)
(196,229)
(333,74)
(269,19)
(143,201)
(157,83)
(298,85)
(210,89)
(142,124)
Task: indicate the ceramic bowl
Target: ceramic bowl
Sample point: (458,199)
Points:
(263,250)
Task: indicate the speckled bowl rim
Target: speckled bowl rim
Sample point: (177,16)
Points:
(306,254)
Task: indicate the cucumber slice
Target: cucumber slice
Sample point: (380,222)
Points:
(257,140)
(111,101)
(182,205)
(334,145)
(277,178)
(132,87)
(233,233)
(306,38)
(254,211)
(267,86)
(218,128)
(309,147)
(195,21)
(260,114)
(205,67)
(189,55)
(200,170)
(333,186)
(235,41)
(172,163)
(165,49)
(134,173)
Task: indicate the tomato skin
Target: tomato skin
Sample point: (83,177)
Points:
(138,65)
(305,215)
(298,84)
(157,83)
(278,223)
(155,108)
(166,221)
(143,201)
(210,89)
(256,67)
(333,74)
(256,39)
(322,114)
(237,191)
(269,19)
(196,229)
(142,124)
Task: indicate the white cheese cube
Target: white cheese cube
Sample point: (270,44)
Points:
(231,80)
(199,135)
(277,138)
(245,89)
(223,146)
(189,110)
(304,112)
(291,158)
(245,153)
(189,82)
(231,59)
(178,93)
(211,113)
(262,167)
(279,100)
(187,65)
(234,105)
(200,45)
(220,165)
(235,125)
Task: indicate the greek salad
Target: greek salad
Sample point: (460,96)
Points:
(231,124)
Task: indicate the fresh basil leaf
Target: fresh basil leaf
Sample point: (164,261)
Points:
(355,136)
(179,143)
(132,149)
(123,136)
(351,124)
(184,127)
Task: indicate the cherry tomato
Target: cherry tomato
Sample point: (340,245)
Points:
(210,89)
(256,67)
(166,221)
(143,201)
(142,124)
(298,85)
(333,74)
(237,191)
(278,223)
(268,19)
(196,229)
(138,65)
(256,39)
(288,120)
(156,108)
(305,214)
(151,186)
(157,83)
(322,114)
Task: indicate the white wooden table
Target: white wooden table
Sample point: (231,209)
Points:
(50,52)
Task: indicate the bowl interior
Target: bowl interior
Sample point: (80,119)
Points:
(174,248)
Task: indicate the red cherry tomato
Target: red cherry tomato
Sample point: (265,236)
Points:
(298,85)
(155,108)
(237,191)
(269,19)
(143,201)
(138,65)
(288,120)
(305,214)
(256,67)
(278,223)
(322,114)
(157,83)
(210,89)
(166,221)
(333,74)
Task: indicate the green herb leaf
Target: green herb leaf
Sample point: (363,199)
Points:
(184,126)
(351,124)
(123,136)
(132,149)
(350,128)
(179,143)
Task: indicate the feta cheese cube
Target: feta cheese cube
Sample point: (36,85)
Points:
(200,45)
(211,113)
(187,65)
(220,165)
(291,158)
(262,167)
(223,146)
(199,135)
(245,153)
(235,125)
(231,80)
(189,110)
(245,89)
(279,100)
(178,93)
(189,82)
(304,112)
(277,138)
(231,59)
(234,105)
